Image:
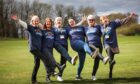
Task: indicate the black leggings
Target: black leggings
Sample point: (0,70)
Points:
(44,57)
(96,62)
(36,68)
(48,52)
(37,56)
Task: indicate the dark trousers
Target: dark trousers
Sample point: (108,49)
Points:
(36,68)
(63,50)
(37,56)
(48,52)
(111,58)
(97,61)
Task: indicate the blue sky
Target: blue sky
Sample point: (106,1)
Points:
(102,6)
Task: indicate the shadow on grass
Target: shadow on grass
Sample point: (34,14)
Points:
(105,81)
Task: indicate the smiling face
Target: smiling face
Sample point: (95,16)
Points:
(91,20)
(104,20)
(58,22)
(48,23)
(35,21)
(71,22)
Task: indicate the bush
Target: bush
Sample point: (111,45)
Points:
(133,29)
(137,28)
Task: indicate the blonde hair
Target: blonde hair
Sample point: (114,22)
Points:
(90,17)
(57,18)
(102,17)
(33,18)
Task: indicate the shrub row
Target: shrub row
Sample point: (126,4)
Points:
(131,30)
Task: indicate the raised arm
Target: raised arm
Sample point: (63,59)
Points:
(82,21)
(125,20)
(22,23)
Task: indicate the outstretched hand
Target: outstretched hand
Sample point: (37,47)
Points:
(133,15)
(84,18)
(14,17)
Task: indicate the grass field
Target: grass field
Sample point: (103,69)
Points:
(16,64)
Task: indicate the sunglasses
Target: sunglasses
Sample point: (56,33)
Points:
(91,20)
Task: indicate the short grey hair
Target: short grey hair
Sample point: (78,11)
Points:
(57,18)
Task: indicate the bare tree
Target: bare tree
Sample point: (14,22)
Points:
(70,10)
(86,10)
(8,7)
(70,13)
(59,8)
(45,11)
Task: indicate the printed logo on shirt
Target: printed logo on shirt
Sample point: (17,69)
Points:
(38,32)
(49,35)
(75,30)
(91,30)
(107,29)
(60,30)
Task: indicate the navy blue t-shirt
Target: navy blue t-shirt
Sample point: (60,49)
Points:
(48,39)
(35,37)
(76,33)
(109,34)
(93,35)
(61,36)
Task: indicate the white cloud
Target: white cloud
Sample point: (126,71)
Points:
(109,12)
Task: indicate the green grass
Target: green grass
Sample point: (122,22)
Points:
(16,64)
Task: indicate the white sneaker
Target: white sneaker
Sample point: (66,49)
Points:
(59,78)
(93,78)
(73,60)
(105,60)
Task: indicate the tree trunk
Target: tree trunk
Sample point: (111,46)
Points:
(1,19)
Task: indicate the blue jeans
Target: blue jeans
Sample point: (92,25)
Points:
(63,51)
(81,48)
(82,56)
(80,45)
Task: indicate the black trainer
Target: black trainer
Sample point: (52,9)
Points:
(78,77)
(110,76)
